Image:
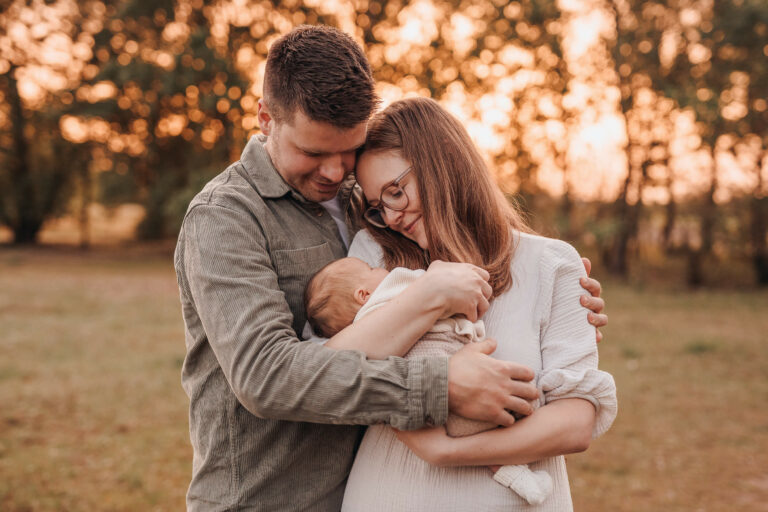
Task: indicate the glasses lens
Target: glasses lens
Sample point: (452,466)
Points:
(373,215)
(394,197)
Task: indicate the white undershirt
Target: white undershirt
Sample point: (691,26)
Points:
(334,208)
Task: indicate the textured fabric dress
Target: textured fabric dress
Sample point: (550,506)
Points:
(538,322)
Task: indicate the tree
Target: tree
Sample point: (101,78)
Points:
(719,71)
(169,98)
(36,162)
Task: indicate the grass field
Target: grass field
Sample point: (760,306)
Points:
(93,417)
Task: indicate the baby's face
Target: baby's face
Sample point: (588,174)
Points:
(369,277)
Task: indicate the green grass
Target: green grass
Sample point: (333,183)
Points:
(93,416)
(692,430)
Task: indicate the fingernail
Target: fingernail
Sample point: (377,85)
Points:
(583,299)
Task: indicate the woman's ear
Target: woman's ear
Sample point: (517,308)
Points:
(362,295)
(266,119)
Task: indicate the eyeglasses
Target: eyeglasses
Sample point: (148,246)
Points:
(393,196)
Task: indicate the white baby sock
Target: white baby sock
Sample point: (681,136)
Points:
(532,486)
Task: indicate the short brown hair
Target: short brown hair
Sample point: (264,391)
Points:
(322,71)
(466,216)
(329,299)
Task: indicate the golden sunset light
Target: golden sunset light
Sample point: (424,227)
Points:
(177,198)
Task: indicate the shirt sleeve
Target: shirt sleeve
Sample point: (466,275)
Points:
(234,289)
(568,345)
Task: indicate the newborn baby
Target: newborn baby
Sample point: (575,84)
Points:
(348,289)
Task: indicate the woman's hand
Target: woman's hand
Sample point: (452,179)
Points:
(429,444)
(593,302)
(462,287)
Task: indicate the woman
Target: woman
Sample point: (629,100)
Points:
(430,196)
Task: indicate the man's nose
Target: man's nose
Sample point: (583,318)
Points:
(332,169)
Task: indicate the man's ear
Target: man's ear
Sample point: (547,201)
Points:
(362,295)
(266,119)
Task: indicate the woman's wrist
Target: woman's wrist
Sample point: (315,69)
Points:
(448,455)
(424,294)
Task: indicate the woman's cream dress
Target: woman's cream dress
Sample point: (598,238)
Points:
(539,322)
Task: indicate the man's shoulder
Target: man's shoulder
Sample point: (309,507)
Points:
(229,189)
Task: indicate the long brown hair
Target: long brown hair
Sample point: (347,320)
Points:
(466,217)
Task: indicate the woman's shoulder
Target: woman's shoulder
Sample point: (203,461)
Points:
(544,250)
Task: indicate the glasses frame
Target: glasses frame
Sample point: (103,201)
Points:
(374,213)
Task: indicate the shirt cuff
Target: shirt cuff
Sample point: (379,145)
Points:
(590,384)
(428,395)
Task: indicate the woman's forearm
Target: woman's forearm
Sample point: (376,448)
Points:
(558,428)
(392,329)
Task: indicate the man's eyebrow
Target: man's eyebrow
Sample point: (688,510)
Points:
(312,151)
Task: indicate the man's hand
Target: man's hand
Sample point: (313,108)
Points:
(593,302)
(483,388)
(463,288)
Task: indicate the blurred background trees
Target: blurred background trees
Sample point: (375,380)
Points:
(636,128)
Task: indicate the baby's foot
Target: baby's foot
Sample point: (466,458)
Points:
(532,486)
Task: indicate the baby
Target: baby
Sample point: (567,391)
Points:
(348,289)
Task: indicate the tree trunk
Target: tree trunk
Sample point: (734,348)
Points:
(695,274)
(669,224)
(670,209)
(85,203)
(708,219)
(759,229)
(624,213)
(24,221)
(25,232)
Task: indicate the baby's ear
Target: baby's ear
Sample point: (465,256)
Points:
(362,295)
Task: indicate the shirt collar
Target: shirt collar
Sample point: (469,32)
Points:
(270,185)
(262,172)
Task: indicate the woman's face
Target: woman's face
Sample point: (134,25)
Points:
(376,171)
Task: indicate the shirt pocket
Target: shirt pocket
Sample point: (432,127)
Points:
(295,267)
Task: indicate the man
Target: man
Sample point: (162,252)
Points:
(271,418)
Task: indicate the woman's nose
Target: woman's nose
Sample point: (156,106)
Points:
(392,217)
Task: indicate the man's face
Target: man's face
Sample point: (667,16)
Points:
(313,157)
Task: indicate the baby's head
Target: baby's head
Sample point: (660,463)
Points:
(337,292)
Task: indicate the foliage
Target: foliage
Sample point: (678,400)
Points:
(37,165)
(146,97)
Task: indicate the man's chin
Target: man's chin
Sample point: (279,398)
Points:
(318,196)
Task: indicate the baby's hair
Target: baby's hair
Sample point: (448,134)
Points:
(329,299)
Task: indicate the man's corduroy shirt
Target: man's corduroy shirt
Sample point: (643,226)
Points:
(272,418)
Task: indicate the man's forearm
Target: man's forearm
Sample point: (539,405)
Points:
(307,382)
